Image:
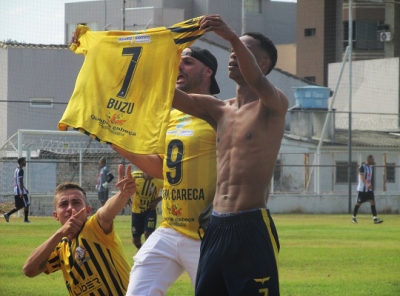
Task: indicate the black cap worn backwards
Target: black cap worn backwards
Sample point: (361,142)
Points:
(208,59)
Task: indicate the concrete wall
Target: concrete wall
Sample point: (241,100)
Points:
(35,72)
(375,89)
(330,204)
(43,205)
(309,204)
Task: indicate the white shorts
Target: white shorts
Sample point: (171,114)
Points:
(164,256)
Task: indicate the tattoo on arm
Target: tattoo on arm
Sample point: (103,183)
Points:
(42,265)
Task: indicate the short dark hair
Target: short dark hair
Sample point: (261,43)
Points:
(267,45)
(69,185)
(66,186)
(21,159)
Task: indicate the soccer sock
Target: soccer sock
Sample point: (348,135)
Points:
(373,209)
(12,212)
(355,211)
(26,212)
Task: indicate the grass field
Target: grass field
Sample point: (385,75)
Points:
(324,255)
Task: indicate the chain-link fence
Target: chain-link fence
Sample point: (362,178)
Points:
(53,158)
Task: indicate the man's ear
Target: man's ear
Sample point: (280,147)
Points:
(264,65)
(55,216)
(208,72)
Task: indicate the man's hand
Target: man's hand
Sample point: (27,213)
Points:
(154,203)
(216,24)
(74,224)
(74,39)
(126,183)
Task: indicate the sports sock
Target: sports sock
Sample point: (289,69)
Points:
(26,212)
(355,211)
(373,209)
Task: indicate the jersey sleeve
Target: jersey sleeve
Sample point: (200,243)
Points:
(186,33)
(361,169)
(53,262)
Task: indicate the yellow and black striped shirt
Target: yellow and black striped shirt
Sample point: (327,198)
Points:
(94,263)
(146,192)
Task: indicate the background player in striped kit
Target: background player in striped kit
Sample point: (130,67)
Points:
(144,205)
(365,190)
(20,192)
(86,249)
(188,168)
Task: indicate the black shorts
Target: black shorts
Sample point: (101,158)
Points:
(21,202)
(103,196)
(239,256)
(143,222)
(365,196)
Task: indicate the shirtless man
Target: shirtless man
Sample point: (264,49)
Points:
(239,252)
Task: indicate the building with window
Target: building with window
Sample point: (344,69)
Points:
(323,34)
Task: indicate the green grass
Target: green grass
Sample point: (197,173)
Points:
(320,255)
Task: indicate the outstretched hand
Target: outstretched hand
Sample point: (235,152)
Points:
(126,183)
(216,24)
(127,187)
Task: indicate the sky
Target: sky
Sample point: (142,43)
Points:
(33,21)
(37,21)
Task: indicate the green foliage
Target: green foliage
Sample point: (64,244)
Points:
(11,41)
(320,255)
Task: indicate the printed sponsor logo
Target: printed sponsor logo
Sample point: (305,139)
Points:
(142,39)
(186,133)
(183,121)
(172,132)
(112,127)
(125,39)
(184,194)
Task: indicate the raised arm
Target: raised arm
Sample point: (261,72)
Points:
(36,262)
(127,187)
(253,68)
(202,106)
(151,164)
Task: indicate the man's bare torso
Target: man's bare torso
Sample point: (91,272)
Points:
(248,141)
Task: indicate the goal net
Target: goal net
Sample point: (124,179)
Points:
(54,157)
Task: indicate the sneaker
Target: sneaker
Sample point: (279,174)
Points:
(354,220)
(7,217)
(27,221)
(377,221)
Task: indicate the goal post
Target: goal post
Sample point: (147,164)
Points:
(54,157)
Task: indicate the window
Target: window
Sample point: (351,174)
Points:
(41,103)
(341,172)
(390,172)
(310,32)
(365,35)
(310,78)
(253,6)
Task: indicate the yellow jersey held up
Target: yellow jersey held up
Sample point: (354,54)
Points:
(124,90)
